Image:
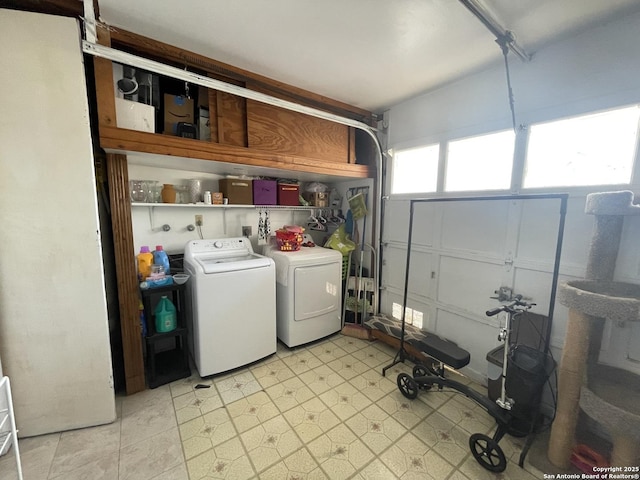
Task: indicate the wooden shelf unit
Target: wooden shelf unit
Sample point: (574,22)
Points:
(268,137)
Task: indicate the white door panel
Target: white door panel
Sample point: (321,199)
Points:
(393,271)
(425,221)
(396,222)
(535,243)
(577,234)
(468,284)
(537,285)
(54,326)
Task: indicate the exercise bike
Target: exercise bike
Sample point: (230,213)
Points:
(509,418)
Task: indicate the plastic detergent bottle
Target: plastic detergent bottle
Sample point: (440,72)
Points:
(166,316)
(160,258)
(143,321)
(145,260)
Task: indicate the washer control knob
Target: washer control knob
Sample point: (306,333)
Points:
(217,244)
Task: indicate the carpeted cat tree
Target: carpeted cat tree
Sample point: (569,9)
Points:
(608,395)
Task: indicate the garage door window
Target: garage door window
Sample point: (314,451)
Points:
(415,170)
(597,149)
(480,163)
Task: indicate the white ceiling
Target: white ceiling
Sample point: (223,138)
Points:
(367,53)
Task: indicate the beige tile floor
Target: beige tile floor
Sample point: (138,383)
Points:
(322,411)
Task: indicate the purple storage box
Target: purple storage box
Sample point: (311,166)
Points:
(265,192)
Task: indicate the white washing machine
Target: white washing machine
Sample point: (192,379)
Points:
(233,304)
(308,293)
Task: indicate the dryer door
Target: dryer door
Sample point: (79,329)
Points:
(317,290)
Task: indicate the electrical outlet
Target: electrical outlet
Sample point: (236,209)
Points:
(246,231)
(199,221)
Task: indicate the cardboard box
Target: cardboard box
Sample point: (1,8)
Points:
(265,192)
(176,109)
(135,116)
(317,199)
(239,191)
(288,194)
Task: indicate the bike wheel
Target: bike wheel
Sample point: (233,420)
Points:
(407,385)
(487,452)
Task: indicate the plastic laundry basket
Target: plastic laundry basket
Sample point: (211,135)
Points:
(345,266)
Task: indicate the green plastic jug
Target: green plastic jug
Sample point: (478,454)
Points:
(166,316)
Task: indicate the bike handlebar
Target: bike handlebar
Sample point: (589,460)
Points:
(511,307)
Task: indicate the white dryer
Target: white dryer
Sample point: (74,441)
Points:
(233,304)
(308,293)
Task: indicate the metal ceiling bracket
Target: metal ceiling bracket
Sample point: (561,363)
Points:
(504,37)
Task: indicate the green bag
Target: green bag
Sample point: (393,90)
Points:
(340,241)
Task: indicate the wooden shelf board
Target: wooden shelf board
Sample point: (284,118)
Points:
(120,140)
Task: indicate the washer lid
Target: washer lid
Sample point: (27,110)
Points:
(223,255)
(218,264)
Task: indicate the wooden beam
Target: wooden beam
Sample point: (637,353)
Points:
(131,140)
(118,180)
(105,93)
(65,8)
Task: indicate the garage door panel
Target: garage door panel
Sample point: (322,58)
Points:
(425,221)
(474,247)
(478,226)
(396,221)
(467,284)
(477,338)
(535,285)
(621,346)
(578,232)
(393,270)
(538,230)
(426,308)
(627,264)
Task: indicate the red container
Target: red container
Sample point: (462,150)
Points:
(288,194)
(265,192)
(288,241)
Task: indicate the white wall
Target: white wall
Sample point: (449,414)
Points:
(217,222)
(593,71)
(53,318)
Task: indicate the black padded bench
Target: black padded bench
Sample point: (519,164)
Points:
(431,345)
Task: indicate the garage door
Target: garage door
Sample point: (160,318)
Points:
(462,253)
